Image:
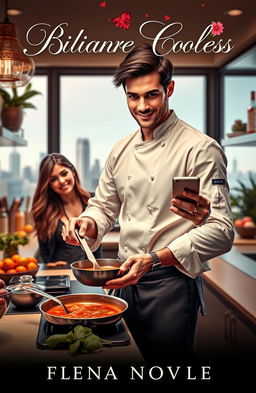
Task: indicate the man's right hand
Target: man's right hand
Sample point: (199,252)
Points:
(87,227)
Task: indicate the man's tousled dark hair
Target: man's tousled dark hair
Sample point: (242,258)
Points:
(142,61)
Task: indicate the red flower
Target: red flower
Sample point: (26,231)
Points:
(122,21)
(217,28)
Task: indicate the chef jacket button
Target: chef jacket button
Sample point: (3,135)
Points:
(150,209)
(144,250)
(129,176)
(152,178)
(125,249)
(163,144)
(129,217)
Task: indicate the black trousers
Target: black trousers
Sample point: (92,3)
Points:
(162,314)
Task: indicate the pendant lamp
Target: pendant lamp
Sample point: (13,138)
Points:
(16,69)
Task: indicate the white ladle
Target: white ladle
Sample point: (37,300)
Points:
(83,243)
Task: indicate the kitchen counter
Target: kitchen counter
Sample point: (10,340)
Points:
(232,274)
(18,335)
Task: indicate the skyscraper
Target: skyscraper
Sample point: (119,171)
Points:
(14,163)
(95,174)
(83,161)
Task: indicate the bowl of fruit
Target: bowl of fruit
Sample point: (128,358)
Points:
(245,227)
(17,266)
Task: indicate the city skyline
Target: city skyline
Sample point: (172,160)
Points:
(20,181)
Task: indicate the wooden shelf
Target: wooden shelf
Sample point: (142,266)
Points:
(9,138)
(241,140)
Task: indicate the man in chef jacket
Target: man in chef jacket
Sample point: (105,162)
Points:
(164,248)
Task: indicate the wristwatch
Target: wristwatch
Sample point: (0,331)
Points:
(156,261)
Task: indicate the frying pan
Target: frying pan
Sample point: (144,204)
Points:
(84,297)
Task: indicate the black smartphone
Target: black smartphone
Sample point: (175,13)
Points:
(181,184)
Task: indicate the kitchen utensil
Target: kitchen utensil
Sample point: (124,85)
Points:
(83,298)
(23,298)
(83,243)
(42,293)
(98,277)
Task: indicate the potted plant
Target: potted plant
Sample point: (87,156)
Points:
(244,208)
(12,112)
(9,242)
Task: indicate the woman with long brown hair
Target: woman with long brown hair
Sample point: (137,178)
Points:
(59,196)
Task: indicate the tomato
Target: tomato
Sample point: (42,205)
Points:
(247,219)
(239,223)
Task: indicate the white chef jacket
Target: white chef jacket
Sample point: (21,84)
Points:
(136,186)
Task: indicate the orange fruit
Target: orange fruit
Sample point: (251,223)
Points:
(31,259)
(11,271)
(21,234)
(8,263)
(2,271)
(16,257)
(28,228)
(21,269)
(1,264)
(22,261)
(31,266)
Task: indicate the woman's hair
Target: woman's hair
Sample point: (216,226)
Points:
(142,61)
(47,206)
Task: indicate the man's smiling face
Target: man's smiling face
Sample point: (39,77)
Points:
(147,100)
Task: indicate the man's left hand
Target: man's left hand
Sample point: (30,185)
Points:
(136,266)
(196,212)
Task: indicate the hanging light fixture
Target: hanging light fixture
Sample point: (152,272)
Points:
(16,69)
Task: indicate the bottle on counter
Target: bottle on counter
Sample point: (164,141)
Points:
(3,221)
(18,220)
(251,114)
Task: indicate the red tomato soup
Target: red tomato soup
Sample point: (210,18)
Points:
(85,310)
(102,268)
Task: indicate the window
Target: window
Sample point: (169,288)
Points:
(237,99)
(19,165)
(189,100)
(94,115)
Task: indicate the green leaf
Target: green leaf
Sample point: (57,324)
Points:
(29,105)
(70,337)
(81,332)
(6,96)
(91,343)
(55,339)
(28,87)
(28,95)
(73,348)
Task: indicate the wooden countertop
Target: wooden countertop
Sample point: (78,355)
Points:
(236,286)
